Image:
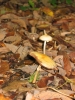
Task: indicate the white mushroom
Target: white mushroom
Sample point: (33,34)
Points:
(45,38)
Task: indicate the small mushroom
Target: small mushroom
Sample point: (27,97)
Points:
(45,38)
(44,61)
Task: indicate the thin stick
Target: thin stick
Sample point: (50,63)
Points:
(61,92)
(36,74)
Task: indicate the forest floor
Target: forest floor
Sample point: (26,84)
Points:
(27,72)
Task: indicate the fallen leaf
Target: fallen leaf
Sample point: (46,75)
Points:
(2,34)
(65,33)
(47,11)
(4,50)
(72,56)
(67,65)
(4,66)
(22,50)
(65,26)
(61,12)
(17,85)
(14,18)
(2,97)
(16,38)
(44,95)
(43,82)
(36,15)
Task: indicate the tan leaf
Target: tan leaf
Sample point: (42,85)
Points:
(2,34)
(44,95)
(4,66)
(22,50)
(14,18)
(4,50)
(16,38)
(67,65)
(20,22)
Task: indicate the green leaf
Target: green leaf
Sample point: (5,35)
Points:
(53,2)
(69,2)
(31,3)
(31,78)
(24,8)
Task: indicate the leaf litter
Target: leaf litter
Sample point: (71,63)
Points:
(21,49)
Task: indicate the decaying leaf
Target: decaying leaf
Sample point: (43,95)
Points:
(67,65)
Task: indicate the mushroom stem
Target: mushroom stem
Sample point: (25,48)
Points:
(36,74)
(44,47)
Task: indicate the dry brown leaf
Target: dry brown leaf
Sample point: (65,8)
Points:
(61,21)
(4,66)
(17,85)
(61,12)
(44,95)
(20,22)
(10,33)
(14,18)
(67,65)
(2,97)
(65,26)
(72,56)
(65,33)
(4,50)
(22,50)
(36,15)
(2,34)
(73,87)
(16,38)
(43,82)
(72,24)
(66,91)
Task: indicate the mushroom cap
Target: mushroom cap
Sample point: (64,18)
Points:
(45,37)
(43,60)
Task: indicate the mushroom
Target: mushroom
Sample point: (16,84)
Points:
(44,61)
(45,38)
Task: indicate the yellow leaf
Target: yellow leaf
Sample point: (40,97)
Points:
(47,11)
